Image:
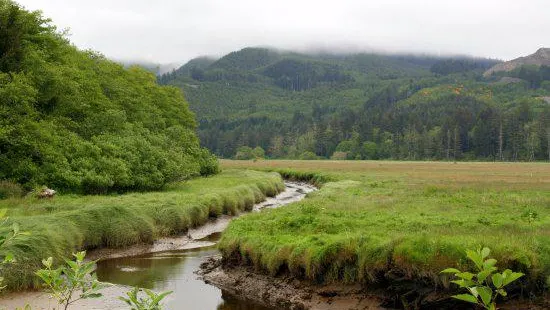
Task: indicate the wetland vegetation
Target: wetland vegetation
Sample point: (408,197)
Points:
(382,223)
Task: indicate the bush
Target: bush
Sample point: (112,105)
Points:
(78,122)
(308,156)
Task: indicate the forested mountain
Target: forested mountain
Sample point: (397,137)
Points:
(75,121)
(367,106)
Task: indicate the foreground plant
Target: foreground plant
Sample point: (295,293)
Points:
(487,284)
(151,300)
(71,282)
(8,232)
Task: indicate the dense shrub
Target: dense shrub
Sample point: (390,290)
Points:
(75,121)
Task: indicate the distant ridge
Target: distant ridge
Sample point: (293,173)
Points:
(540,58)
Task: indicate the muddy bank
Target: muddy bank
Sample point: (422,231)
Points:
(285,292)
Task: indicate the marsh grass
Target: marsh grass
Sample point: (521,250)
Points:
(65,224)
(372,221)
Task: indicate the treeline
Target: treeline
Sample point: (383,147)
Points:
(535,76)
(75,121)
(439,123)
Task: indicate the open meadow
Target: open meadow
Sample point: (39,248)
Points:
(388,222)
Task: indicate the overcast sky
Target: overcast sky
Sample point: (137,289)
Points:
(168,31)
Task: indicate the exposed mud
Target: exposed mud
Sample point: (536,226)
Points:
(285,292)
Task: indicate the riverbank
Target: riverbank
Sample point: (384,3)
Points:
(398,224)
(60,226)
(288,292)
(285,292)
(169,248)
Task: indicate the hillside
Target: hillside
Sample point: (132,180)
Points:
(76,121)
(540,58)
(365,106)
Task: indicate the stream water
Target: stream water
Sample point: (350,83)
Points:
(175,270)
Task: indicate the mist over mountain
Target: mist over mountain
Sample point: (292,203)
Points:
(366,106)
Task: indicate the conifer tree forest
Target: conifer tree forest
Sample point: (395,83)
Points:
(367,106)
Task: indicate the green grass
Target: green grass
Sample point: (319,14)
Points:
(376,221)
(68,223)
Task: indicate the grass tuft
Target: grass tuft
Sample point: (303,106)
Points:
(65,224)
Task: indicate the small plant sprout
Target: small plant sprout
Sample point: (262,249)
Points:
(149,301)
(486,284)
(76,277)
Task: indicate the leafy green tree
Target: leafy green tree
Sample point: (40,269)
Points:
(75,121)
(258,152)
(244,153)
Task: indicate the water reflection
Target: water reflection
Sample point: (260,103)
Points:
(172,271)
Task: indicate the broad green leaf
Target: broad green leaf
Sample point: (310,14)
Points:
(473,291)
(466,297)
(511,278)
(451,270)
(465,275)
(48,262)
(497,280)
(9,258)
(491,262)
(485,253)
(486,294)
(475,258)
(483,275)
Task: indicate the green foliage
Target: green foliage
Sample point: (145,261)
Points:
(75,121)
(75,277)
(244,153)
(486,284)
(308,155)
(151,300)
(258,152)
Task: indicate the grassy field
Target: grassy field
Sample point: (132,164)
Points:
(65,224)
(375,222)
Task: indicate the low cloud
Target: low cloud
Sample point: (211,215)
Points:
(175,31)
